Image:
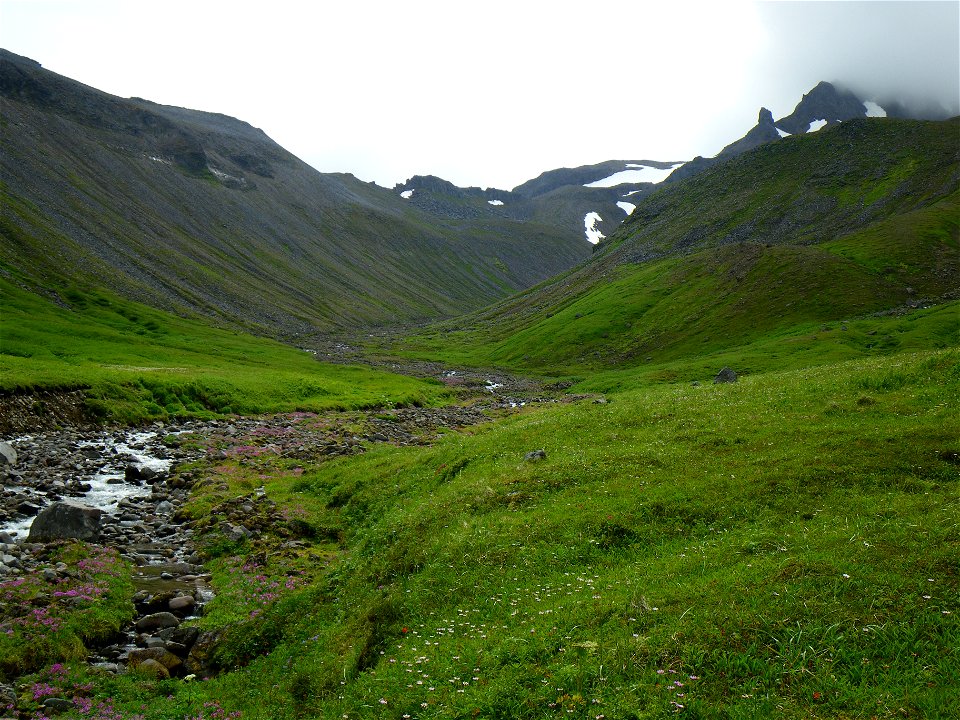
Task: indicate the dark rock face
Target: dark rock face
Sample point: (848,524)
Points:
(824,102)
(66,521)
(765,131)
(725,376)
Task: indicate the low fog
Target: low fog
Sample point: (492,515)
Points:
(894,53)
(493,95)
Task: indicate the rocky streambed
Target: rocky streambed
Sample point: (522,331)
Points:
(115,488)
(130,479)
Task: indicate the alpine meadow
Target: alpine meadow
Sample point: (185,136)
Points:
(277,443)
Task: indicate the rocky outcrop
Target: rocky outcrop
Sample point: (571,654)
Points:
(824,102)
(725,376)
(763,132)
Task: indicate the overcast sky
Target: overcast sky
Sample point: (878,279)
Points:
(492,93)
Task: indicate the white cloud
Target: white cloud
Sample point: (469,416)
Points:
(387,90)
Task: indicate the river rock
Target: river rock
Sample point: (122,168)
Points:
(28,508)
(183,604)
(136,473)
(164,657)
(8,456)
(177,649)
(184,636)
(58,704)
(201,660)
(156,621)
(152,668)
(66,521)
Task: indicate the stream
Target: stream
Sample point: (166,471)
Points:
(124,474)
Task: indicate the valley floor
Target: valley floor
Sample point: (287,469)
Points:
(786,546)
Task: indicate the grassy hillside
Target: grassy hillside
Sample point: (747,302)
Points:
(784,547)
(193,211)
(722,265)
(136,363)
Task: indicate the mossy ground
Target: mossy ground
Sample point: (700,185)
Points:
(783,547)
(136,363)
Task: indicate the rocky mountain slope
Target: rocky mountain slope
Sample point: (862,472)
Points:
(823,106)
(596,199)
(198,212)
(856,219)
(591,200)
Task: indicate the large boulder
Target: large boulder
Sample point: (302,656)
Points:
(157,621)
(152,669)
(66,521)
(202,659)
(725,376)
(143,656)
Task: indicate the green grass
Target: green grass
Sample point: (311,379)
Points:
(784,547)
(137,363)
(787,546)
(752,306)
(44,622)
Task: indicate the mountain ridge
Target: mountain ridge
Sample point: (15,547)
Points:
(560,192)
(197,212)
(856,219)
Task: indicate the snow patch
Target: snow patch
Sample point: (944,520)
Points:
(874,110)
(816,125)
(782,133)
(628,208)
(406,194)
(589,226)
(495,202)
(634,174)
(159,160)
